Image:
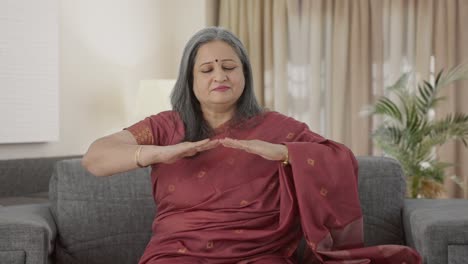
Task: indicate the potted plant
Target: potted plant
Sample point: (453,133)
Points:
(410,133)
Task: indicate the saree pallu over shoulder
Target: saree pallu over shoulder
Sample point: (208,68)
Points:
(323,175)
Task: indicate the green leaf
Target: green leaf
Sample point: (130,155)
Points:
(386,107)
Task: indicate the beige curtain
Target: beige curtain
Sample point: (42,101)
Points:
(351,86)
(450,47)
(302,55)
(322,61)
(261,26)
(427,36)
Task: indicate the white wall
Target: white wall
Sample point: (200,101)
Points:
(106,48)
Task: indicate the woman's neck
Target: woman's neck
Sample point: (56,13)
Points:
(217,117)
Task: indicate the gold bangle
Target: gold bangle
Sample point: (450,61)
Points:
(137,157)
(286,160)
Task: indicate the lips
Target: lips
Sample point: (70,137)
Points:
(221,88)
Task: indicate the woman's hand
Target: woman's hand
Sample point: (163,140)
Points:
(264,149)
(172,153)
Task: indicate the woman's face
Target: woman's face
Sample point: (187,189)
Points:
(218,78)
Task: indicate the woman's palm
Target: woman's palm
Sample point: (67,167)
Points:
(264,149)
(172,153)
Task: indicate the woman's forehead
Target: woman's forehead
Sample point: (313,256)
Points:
(216,51)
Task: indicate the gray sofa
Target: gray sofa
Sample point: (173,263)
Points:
(108,219)
(26,181)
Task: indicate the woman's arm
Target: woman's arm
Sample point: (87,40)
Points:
(118,153)
(267,150)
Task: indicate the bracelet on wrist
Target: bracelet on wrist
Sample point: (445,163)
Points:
(286,160)
(137,157)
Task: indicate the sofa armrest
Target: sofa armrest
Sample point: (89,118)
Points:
(27,234)
(437,229)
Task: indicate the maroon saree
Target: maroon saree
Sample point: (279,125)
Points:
(228,206)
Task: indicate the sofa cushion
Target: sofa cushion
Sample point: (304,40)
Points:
(22,177)
(457,254)
(27,233)
(109,218)
(12,257)
(438,229)
(100,219)
(382,189)
(34,198)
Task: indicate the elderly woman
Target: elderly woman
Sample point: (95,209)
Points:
(233,182)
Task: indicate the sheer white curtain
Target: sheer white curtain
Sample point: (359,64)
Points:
(306,79)
(329,68)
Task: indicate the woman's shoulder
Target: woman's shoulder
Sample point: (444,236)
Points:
(291,128)
(278,118)
(273,125)
(167,127)
(169,117)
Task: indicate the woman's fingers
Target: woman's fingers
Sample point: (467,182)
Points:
(199,143)
(209,145)
(264,149)
(233,143)
(193,148)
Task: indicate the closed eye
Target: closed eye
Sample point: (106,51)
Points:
(224,68)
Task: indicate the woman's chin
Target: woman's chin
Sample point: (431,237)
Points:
(223,99)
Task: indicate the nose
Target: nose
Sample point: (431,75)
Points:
(220,75)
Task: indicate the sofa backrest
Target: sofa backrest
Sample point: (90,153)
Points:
(20,177)
(382,189)
(100,219)
(108,219)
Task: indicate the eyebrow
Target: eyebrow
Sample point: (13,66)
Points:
(213,61)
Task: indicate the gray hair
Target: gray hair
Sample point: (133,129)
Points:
(183,98)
